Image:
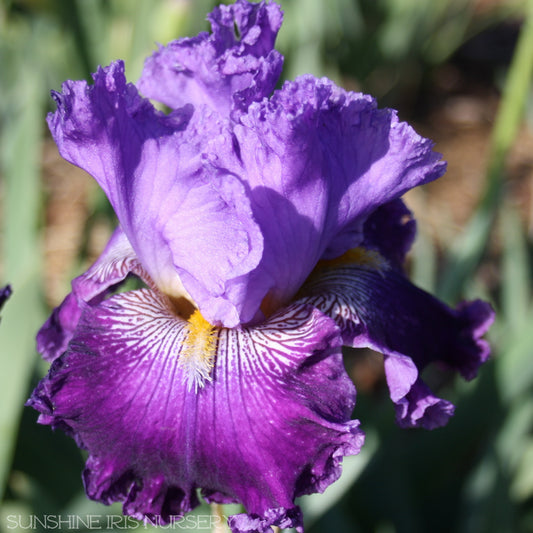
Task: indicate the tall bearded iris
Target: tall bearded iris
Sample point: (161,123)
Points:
(5,293)
(268,230)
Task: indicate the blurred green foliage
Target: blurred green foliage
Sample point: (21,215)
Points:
(475,475)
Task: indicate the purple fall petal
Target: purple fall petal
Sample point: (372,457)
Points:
(224,71)
(273,424)
(377,307)
(117,261)
(390,230)
(421,408)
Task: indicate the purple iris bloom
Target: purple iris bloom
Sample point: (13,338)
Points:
(5,293)
(268,230)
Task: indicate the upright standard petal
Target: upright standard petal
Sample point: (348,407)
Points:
(319,161)
(184,216)
(293,181)
(227,70)
(377,307)
(273,424)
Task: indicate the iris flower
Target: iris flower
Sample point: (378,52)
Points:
(5,293)
(268,229)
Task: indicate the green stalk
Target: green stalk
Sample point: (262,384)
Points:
(466,254)
(21,143)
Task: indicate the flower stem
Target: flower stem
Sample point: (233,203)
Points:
(219,524)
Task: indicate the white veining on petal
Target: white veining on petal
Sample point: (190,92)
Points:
(113,266)
(272,423)
(328,292)
(146,324)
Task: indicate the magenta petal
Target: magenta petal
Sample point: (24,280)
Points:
(377,307)
(273,424)
(117,261)
(223,70)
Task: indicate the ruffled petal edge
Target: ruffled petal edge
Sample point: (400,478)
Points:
(376,307)
(114,265)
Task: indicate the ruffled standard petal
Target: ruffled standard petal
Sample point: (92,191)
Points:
(226,70)
(185,217)
(377,307)
(292,182)
(273,424)
(116,262)
(319,161)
